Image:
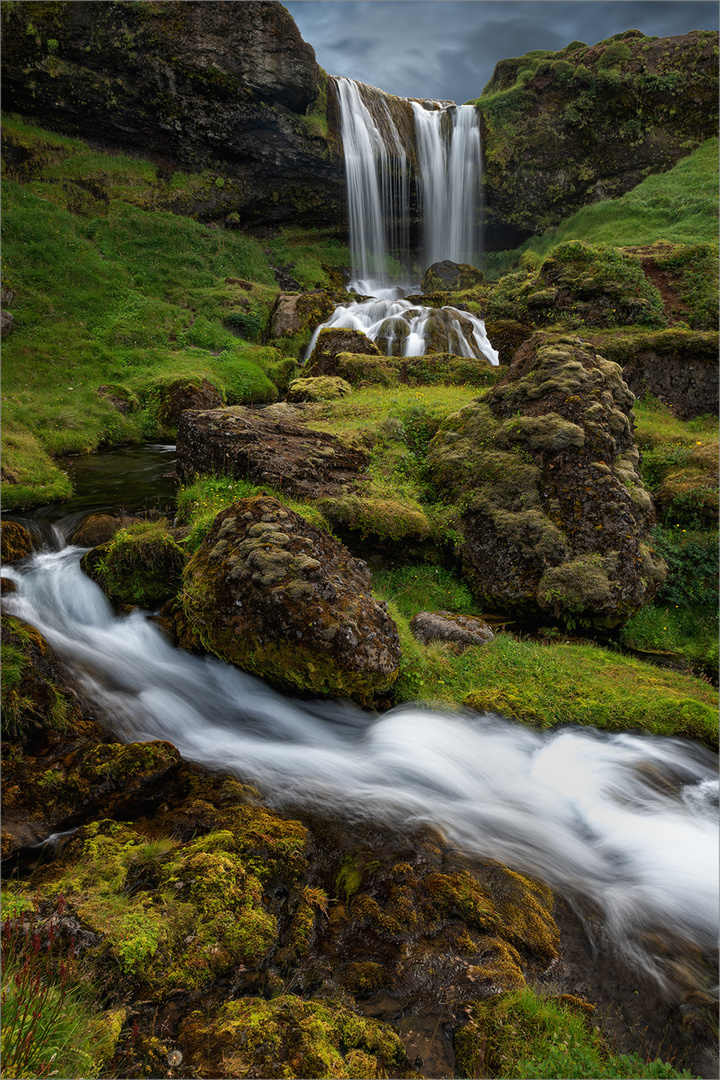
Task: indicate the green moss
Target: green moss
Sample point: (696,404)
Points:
(32,697)
(289,1037)
(521,1034)
(142,565)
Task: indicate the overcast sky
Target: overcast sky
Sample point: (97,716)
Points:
(448,48)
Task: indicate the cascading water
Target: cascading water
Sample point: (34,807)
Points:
(627,822)
(446,142)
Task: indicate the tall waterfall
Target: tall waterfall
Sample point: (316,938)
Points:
(449,171)
(382,137)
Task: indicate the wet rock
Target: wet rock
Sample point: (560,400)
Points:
(332,341)
(322,388)
(451,276)
(463,630)
(141,565)
(507,335)
(556,518)
(250,445)
(15,542)
(7,586)
(279,598)
(187,394)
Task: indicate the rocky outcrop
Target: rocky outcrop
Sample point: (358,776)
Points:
(227,87)
(564,129)
(555,517)
(16,542)
(279,598)
(462,630)
(248,445)
(680,367)
(187,394)
(429,370)
(334,340)
(450,275)
(322,388)
(295,312)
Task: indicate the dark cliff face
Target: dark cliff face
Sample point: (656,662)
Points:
(564,129)
(228,86)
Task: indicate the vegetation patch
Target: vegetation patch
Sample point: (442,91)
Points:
(142,565)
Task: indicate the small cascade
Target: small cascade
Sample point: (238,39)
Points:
(382,137)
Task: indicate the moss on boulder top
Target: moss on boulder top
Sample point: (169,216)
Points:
(556,518)
(272,594)
(334,340)
(447,275)
(564,129)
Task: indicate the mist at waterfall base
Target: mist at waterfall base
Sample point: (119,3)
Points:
(626,822)
(377,172)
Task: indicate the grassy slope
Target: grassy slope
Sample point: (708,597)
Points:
(680,206)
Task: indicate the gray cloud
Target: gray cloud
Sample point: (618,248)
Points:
(449,48)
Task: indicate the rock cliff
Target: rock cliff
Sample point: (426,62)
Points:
(568,128)
(227,87)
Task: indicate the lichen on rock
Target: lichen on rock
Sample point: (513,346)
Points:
(278,597)
(555,517)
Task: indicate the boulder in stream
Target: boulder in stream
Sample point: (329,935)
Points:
(452,276)
(279,598)
(556,519)
(334,340)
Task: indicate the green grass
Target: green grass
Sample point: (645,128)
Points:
(680,206)
(523,1034)
(542,684)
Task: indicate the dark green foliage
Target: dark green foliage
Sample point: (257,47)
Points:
(692,559)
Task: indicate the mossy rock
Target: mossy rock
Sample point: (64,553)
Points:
(555,515)
(289,1037)
(451,276)
(16,542)
(269,592)
(140,566)
(507,335)
(186,394)
(321,388)
(330,342)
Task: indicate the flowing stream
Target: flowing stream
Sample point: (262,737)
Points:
(625,821)
(380,135)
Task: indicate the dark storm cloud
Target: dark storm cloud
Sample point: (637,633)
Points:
(448,48)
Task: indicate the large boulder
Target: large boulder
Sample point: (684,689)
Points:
(452,276)
(331,342)
(555,517)
(269,592)
(229,88)
(294,312)
(564,129)
(251,445)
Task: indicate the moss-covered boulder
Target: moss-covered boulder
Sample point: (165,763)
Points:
(564,129)
(272,594)
(451,276)
(333,340)
(555,517)
(141,565)
(289,1037)
(15,542)
(320,388)
(186,394)
(98,528)
(460,630)
(295,312)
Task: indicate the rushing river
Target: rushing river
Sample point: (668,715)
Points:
(626,821)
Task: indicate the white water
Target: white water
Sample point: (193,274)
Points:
(578,809)
(448,144)
(447,139)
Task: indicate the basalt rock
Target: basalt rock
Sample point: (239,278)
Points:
(555,518)
(230,88)
(564,129)
(294,312)
(248,445)
(447,275)
(279,598)
(187,394)
(462,630)
(331,342)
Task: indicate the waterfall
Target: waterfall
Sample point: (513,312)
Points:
(382,136)
(376,171)
(625,821)
(449,171)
